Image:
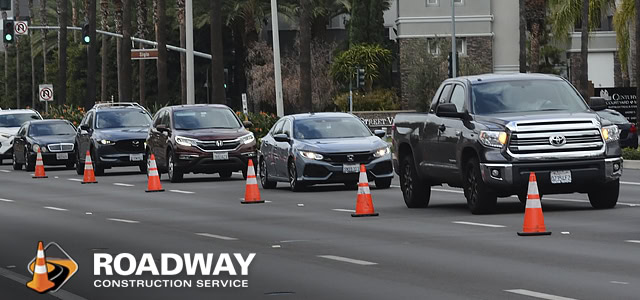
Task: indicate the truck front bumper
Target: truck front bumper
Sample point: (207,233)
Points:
(513,178)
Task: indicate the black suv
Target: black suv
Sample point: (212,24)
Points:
(114,134)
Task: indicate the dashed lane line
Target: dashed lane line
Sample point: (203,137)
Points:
(478,224)
(215,236)
(344,210)
(123,221)
(123,184)
(7,200)
(181,192)
(74,179)
(630,183)
(537,295)
(55,208)
(633,241)
(5,171)
(348,260)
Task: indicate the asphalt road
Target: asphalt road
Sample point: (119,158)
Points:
(309,247)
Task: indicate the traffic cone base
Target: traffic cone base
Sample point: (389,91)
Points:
(40,282)
(89,175)
(154,184)
(39,167)
(364,203)
(251,193)
(533,217)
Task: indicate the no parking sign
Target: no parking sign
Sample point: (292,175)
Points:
(46,92)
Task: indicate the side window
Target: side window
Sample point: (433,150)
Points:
(442,97)
(158,118)
(434,100)
(90,120)
(287,128)
(457,97)
(277,128)
(22,131)
(166,119)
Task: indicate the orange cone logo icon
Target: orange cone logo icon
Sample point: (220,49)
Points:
(89,175)
(364,203)
(49,274)
(251,193)
(154,178)
(533,218)
(39,167)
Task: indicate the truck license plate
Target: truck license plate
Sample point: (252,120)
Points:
(220,155)
(135,157)
(62,156)
(350,168)
(560,177)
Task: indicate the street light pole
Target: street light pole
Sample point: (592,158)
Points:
(276,58)
(188,10)
(454,48)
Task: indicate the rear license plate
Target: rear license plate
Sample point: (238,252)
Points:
(135,157)
(351,168)
(62,156)
(558,177)
(220,155)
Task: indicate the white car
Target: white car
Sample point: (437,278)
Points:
(10,122)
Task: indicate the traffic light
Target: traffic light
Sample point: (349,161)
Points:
(450,66)
(7,31)
(86,38)
(360,78)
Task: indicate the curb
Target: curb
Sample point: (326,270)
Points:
(632,164)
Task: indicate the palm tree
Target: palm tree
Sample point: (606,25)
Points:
(584,50)
(183,56)
(16,12)
(535,15)
(43,19)
(217,63)
(141,18)
(104,24)
(637,60)
(523,37)
(160,20)
(6,64)
(118,20)
(125,52)
(305,55)
(622,22)
(90,98)
(61,87)
(33,67)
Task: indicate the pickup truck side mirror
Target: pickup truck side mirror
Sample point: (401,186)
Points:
(281,137)
(380,133)
(449,110)
(597,103)
(247,124)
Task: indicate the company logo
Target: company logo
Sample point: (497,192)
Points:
(219,143)
(350,157)
(135,143)
(52,272)
(557,140)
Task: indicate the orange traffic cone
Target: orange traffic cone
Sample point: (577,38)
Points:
(40,282)
(39,167)
(89,175)
(364,203)
(533,218)
(251,193)
(154,178)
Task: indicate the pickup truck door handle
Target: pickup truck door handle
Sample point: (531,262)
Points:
(442,127)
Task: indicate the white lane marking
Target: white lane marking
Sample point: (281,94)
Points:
(215,236)
(565,232)
(55,208)
(56,177)
(630,183)
(60,294)
(5,171)
(344,210)
(537,295)
(88,213)
(633,241)
(618,282)
(74,179)
(181,192)
(275,246)
(293,241)
(267,201)
(6,200)
(123,184)
(348,260)
(300,204)
(123,221)
(478,224)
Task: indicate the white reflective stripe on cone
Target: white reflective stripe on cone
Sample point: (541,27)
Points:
(534,203)
(364,190)
(153,172)
(250,171)
(88,166)
(533,188)
(40,254)
(252,180)
(40,269)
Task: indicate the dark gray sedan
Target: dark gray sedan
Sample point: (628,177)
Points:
(628,130)
(318,148)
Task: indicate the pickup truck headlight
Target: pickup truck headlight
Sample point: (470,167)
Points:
(494,139)
(183,141)
(246,139)
(311,155)
(610,133)
(106,142)
(382,152)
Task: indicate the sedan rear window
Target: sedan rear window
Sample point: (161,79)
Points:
(205,118)
(58,128)
(329,128)
(16,120)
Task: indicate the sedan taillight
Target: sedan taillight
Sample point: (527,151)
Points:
(633,129)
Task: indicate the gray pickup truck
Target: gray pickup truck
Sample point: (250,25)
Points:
(486,133)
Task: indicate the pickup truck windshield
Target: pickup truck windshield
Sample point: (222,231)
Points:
(525,96)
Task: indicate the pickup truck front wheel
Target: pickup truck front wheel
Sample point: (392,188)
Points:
(479,198)
(416,192)
(605,196)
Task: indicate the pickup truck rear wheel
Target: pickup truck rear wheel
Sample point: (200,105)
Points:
(416,192)
(605,196)
(479,198)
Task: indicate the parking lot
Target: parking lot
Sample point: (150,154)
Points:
(309,247)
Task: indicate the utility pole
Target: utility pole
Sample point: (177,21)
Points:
(188,10)
(276,58)
(454,47)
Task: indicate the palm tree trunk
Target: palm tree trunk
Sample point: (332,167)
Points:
(33,67)
(118,20)
(161,26)
(637,70)
(43,19)
(6,64)
(16,16)
(239,75)
(523,38)
(90,98)
(305,56)
(61,87)
(74,19)
(125,52)
(104,24)
(141,18)
(217,62)
(535,47)
(183,56)
(584,48)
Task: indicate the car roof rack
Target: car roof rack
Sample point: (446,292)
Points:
(117,104)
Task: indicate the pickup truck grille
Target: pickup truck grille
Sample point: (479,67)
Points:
(555,136)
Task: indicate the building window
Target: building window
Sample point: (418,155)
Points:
(434,45)
(436,2)
(459,2)
(432,2)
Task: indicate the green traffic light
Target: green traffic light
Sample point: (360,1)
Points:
(8,37)
(87,39)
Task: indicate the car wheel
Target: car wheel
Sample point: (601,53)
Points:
(29,166)
(416,192)
(605,196)
(384,183)
(173,174)
(79,164)
(480,199)
(225,174)
(296,186)
(98,170)
(264,177)
(16,166)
